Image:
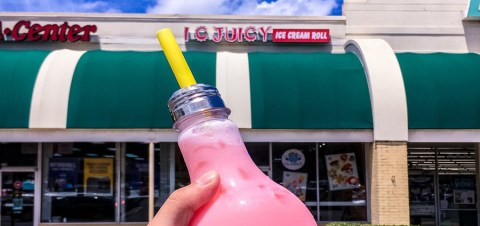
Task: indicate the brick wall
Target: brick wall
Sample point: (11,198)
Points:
(389,203)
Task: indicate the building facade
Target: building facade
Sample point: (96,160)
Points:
(372,116)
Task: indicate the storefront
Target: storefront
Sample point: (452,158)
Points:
(365,120)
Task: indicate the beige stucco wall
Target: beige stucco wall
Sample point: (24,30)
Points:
(137,31)
(412,25)
(407,25)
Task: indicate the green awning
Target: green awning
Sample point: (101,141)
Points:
(309,91)
(128,89)
(18,71)
(443,90)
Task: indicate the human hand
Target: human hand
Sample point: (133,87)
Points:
(182,203)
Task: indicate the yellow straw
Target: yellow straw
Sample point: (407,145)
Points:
(175,58)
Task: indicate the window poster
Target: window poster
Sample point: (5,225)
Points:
(98,175)
(62,174)
(464,197)
(342,171)
(17,205)
(464,190)
(296,183)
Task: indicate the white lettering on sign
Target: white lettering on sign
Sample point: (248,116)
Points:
(319,35)
(281,35)
(298,35)
(229,34)
(301,35)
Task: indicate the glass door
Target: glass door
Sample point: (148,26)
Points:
(443,184)
(457,199)
(16,198)
(422,198)
(457,187)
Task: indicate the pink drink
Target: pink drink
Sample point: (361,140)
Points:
(247,197)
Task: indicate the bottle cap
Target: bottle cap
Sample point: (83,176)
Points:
(194,99)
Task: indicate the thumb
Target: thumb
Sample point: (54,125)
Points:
(182,203)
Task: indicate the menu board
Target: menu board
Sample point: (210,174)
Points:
(342,171)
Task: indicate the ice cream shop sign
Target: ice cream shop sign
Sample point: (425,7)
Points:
(25,30)
(253,34)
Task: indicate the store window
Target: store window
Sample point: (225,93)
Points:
(328,177)
(342,182)
(182,177)
(134,186)
(260,154)
(164,155)
(18,154)
(79,182)
(294,167)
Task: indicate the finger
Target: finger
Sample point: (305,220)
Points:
(181,204)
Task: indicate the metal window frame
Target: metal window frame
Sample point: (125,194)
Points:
(120,181)
(151,180)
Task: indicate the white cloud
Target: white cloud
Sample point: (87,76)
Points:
(245,7)
(55,6)
(190,7)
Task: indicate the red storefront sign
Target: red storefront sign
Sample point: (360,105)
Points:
(233,34)
(255,33)
(301,35)
(26,30)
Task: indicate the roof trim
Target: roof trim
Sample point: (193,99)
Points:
(171,17)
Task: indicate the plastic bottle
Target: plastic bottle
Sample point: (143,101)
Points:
(208,141)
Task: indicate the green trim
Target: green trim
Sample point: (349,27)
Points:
(128,89)
(309,91)
(18,72)
(442,90)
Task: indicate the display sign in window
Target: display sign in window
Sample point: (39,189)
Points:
(79,182)
(98,175)
(301,35)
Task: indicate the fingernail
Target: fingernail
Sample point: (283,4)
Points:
(206,178)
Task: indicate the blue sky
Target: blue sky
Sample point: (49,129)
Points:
(235,7)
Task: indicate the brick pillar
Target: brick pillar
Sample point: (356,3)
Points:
(389,202)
